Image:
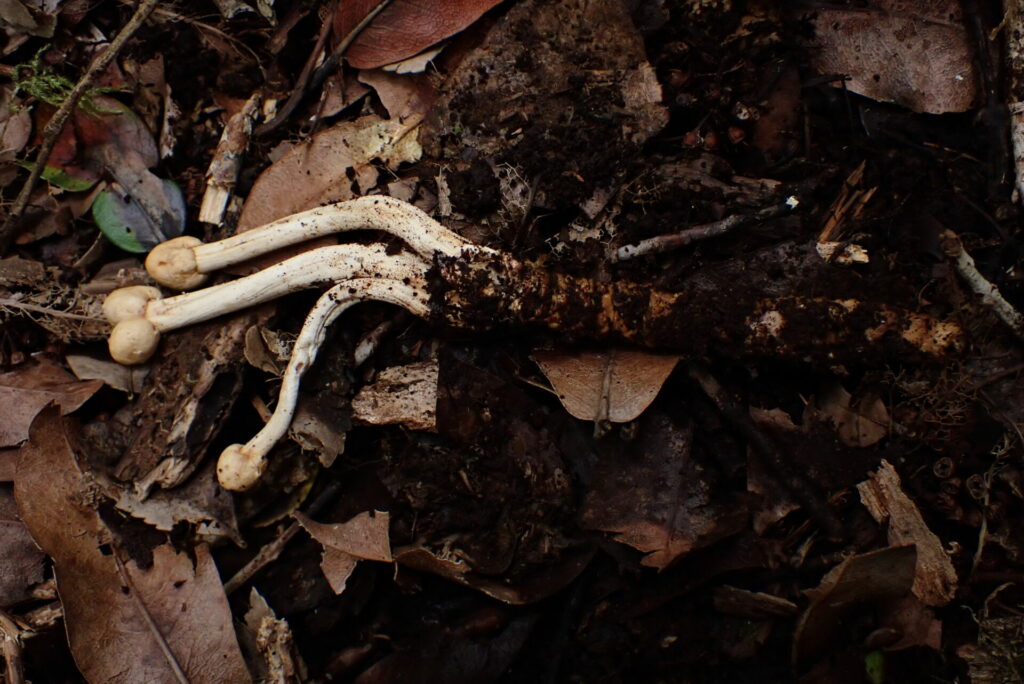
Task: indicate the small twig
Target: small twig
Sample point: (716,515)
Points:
(56,123)
(154,629)
(670,241)
(269,553)
(10,637)
(223,170)
(317,77)
(371,340)
(990,295)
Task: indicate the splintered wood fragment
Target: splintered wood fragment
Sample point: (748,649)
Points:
(670,241)
(401,395)
(935,579)
(223,170)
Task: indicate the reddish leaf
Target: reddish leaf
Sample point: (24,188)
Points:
(117,614)
(403,28)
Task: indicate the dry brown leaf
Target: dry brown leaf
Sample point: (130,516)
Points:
(859,424)
(403,395)
(616,385)
(25,391)
(657,498)
(120,377)
(403,29)
(21,561)
(916,54)
(116,613)
(316,172)
(345,544)
(15,126)
(8,463)
(935,581)
(777,503)
(869,577)
(316,429)
(405,96)
(200,501)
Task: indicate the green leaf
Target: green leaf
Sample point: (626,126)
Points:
(113,213)
(63,179)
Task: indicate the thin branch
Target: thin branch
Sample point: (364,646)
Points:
(56,124)
(990,294)
(317,78)
(670,241)
(269,553)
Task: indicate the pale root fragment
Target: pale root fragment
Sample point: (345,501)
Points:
(187,262)
(240,466)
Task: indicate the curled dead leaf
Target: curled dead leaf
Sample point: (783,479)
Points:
(616,385)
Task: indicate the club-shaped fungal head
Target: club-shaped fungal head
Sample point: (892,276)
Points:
(240,467)
(173,263)
(133,341)
(128,302)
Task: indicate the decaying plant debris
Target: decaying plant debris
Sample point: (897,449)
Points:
(666,341)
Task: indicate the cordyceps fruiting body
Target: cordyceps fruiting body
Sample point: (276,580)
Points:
(456,284)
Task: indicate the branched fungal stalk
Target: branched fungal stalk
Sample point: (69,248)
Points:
(185,262)
(454,283)
(241,465)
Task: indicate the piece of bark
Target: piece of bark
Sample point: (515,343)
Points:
(935,580)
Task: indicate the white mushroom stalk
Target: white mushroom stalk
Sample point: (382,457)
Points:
(184,263)
(241,465)
(140,314)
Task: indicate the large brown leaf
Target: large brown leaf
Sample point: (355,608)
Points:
(316,172)
(26,390)
(403,28)
(124,623)
(916,54)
